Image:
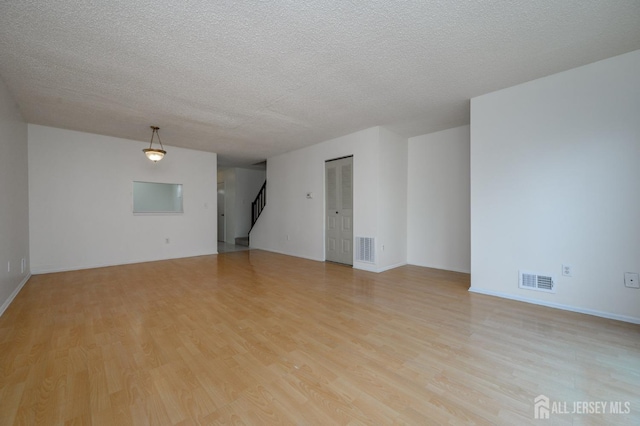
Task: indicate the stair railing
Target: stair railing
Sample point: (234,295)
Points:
(258,204)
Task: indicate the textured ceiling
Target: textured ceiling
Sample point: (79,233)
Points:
(252,79)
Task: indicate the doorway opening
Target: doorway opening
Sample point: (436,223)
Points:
(221,219)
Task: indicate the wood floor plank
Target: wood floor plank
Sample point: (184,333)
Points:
(259,338)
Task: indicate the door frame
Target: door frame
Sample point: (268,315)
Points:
(324,208)
(224,218)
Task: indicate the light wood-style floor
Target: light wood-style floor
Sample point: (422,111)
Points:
(259,338)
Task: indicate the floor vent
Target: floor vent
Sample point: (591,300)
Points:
(366,249)
(535,281)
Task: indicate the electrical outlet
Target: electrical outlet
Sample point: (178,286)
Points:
(631,280)
(23,265)
(287,236)
(567,270)
(9,266)
(166,241)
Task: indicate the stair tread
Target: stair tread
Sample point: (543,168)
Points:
(242,241)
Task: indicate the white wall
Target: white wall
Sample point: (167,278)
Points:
(290,214)
(80,202)
(438,200)
(14,199)
(392,200)
(248,184)
(555,178)
(229,179)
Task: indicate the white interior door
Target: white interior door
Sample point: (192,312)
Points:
(339,210)
(221,219)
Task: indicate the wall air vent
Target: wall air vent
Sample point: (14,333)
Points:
(366,249)
(535,281)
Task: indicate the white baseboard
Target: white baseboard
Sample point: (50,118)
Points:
(444,268)
(386,268)
(365,267)
(608,315)
(48,269)
(317,259)
(13,295)
(373,268)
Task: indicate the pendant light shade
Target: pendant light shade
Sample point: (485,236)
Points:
(152,153)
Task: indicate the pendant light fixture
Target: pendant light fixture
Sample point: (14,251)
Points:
(155,154)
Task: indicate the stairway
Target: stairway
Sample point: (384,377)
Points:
(242,241)
(258,205)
